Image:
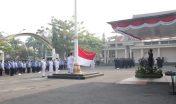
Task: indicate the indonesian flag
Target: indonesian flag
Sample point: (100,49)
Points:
(85,58)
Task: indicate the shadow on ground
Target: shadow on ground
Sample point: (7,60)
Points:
(101,93)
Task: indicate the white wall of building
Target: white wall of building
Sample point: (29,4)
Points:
(164,48)
(169,53)
(146,52)
(136,54)
(120,53)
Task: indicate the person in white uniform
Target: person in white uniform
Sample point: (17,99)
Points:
(56,64)
(43,62)
(50,67)
(92,65)
(70,63)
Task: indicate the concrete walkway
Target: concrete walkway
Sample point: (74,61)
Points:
(163,80)
(115,87)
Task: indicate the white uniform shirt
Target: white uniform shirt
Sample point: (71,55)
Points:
(51,65)
(56,63)
(92,65)
(43,64)
(2,65)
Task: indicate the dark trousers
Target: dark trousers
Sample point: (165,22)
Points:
(38,69)
(7,71)
(11,71)
(15,70)
(21,70)
(33,69)
(28,70)
(24,70)
(18,70)
(1,71)
(61,66)
(54,68)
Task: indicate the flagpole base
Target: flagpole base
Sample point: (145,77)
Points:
(77,69)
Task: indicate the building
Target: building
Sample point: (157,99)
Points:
(156,31)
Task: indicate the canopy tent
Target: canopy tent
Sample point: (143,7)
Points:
(162,25)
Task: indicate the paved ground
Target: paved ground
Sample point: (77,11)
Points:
(100,93)
(107,89)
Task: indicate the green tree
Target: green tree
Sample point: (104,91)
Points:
(37,46)
(4,44)
(90,43)
(63,37)
(62,32)
(15,45)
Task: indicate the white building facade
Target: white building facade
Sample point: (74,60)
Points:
(155,31)
(137,49)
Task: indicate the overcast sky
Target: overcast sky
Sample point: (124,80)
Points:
(16,15)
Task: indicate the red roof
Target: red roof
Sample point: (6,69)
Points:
(149,27)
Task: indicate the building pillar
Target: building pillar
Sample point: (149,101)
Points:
(142,52)
(105,56)
(130,53)
(116,54)
(159,53)
(115,50)
(126,51)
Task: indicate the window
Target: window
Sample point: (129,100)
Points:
(154,42)
(164,42)
(172,41)
(147,43)
(112,45)
(119,44)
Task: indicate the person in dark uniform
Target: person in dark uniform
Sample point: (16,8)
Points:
(150,58)
(8,67)
(12,67)
(24,67)
(5,68)
(33,66)
(20,67)
(159,62)
(36,66)
(115,63)
(28,65)
(54,67)
(47,65)
(16,66)
(1,67)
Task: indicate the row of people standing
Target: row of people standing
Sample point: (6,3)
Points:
(123,63)
(12,67)
(19,67)
(69,61)
(53,66)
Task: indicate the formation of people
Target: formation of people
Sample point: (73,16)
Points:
(160,62)
(18,67)
(123,63)
(14,67)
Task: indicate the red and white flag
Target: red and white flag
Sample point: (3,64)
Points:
(85,58)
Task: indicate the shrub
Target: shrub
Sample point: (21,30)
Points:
(144,71)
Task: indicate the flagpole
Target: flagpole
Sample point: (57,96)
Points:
(77,69)
(76,36)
